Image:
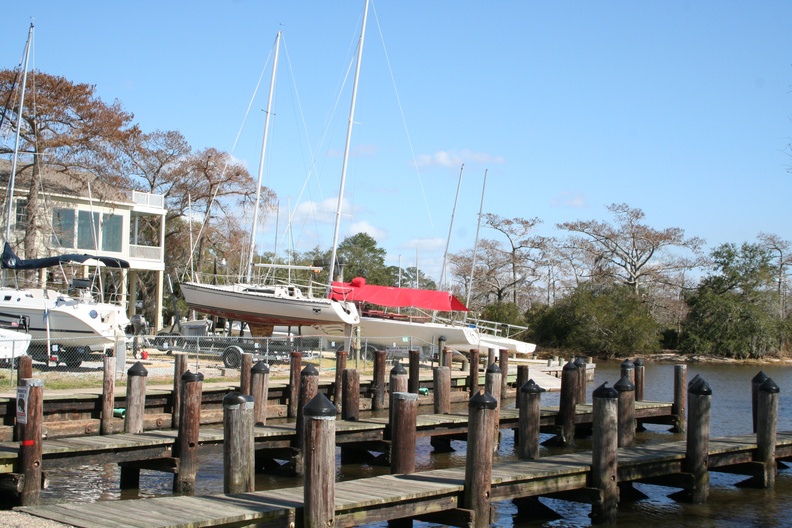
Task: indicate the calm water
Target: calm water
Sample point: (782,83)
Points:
(728,506)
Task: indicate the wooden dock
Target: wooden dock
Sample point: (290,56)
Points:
(367,432)
(430,495)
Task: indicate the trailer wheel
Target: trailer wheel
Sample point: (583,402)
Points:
(232,357)
(71,357)
(167,341)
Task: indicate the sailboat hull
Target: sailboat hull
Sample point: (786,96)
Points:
(267,305)
(65,320)
(391,332)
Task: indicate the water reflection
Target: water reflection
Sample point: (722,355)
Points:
(728,506)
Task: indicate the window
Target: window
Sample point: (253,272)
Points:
(86,224)
(111,232)
(63,228)
(21,213)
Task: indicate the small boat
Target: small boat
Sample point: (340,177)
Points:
(64,327)
(395,331)
(14,338)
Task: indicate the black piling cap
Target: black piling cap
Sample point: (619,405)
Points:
(624,384)
(694,380)
(319,406)
(759,378)
(493,368)
(700,387)
(260,368)
(569,366)
(531,387)
(398,369)
(580,362)
(769,386)
(236,398)
(627,364)
(639,362)
(189,376)
(605,392)
(309,370)
(137,370)
(483,400)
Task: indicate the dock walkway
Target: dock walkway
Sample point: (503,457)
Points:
(388,497)
(158,444)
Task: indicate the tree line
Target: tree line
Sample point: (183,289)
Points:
(605,288)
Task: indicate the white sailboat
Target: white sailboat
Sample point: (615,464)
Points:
(263,306)
(63,328)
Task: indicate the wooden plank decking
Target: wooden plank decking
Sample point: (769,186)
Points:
(387,497)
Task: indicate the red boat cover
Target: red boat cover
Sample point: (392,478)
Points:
(358,290)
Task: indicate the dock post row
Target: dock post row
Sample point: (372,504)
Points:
(611,410)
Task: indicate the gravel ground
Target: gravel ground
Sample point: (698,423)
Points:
(13,519)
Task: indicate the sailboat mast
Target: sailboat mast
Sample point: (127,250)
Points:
(450,228)
(261,161)
(12,176)
(346,151)
(475,244)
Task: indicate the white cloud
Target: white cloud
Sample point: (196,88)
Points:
(426,244)
(575,200)
(453,158)
(364,227)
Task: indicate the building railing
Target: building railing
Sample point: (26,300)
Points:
(146,252)
(149,199)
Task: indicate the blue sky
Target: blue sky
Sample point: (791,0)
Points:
(681,109)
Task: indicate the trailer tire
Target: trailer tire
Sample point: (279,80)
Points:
(71,357)
(232,357)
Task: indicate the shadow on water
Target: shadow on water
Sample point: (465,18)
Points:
(728,506)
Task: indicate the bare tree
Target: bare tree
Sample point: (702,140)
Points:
(629,250)
(523,252)
(780,247)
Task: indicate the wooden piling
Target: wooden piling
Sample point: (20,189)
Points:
(568,400)
(309,387)
(628,369)
(244,372)
(448,355)
(756,381)
(319,483)
(640,379)
(259,389)
(397,381)
(24,369)
(186,445)
(679,407)
(403,421)
(30,448)
(108,395)
(580,363)
(350,401)
(492,385)
(766,425)
(492,356)
(478,462)
(442,390)
(414,381)
(504,366)
(179,368)
(238,444)
(529,403)
(697,448)
(338,388)
(604,462)
(295,366)
(473,381)
(136,398)
(626,411)
(523,375)
(378,382)
(441,348)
